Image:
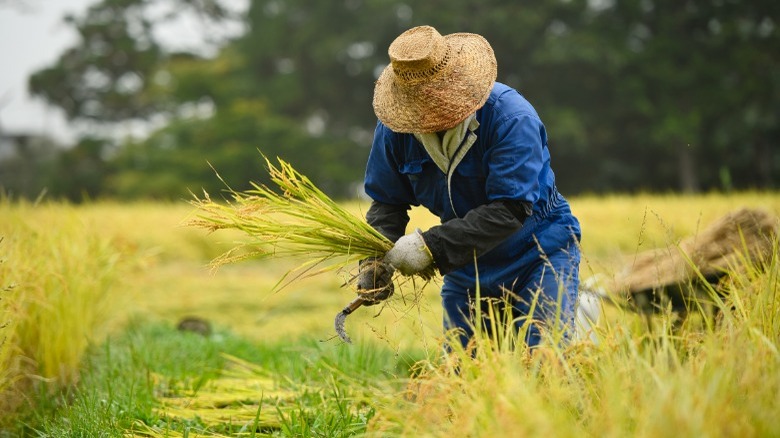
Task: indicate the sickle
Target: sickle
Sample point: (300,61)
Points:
(342,316)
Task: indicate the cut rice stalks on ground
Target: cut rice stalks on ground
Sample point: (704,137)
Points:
(298,221)
(244,399)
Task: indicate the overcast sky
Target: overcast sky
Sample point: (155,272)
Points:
(32,37)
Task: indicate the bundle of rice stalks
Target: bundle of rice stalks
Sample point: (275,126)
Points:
(712,253)
(298,220)
(688,272)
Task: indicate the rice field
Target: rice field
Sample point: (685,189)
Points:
(90,297)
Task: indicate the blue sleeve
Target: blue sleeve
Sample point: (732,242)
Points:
(384,182)
(515,158)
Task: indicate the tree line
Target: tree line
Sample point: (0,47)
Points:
(637,95)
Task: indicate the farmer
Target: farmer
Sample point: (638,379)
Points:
(475,153)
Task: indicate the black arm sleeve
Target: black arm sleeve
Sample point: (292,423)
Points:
(454,243)
(390,220)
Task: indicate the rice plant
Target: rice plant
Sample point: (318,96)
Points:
(9,317)
(57,299)
(296,220)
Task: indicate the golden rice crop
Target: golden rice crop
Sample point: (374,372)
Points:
(58,298)
(646,381)
(9,313)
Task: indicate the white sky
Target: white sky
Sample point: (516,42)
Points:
(32,37)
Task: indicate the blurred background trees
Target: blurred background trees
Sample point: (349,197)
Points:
(650,95)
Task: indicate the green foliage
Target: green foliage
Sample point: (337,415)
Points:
(25,167)
(181,158)
(109,75)
(685,71)
(80,172)
(636,95)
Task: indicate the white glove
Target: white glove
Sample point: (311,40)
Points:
(410,255)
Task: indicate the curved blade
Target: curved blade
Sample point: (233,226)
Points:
(342,317)
(339,323)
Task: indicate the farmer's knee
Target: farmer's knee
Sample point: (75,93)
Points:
(456,307)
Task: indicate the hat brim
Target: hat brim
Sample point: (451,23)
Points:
(445,100)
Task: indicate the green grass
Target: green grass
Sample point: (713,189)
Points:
(311,390)
(718,380)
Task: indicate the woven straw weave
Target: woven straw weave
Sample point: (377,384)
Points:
(433,82)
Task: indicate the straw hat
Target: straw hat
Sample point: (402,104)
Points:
(433,82)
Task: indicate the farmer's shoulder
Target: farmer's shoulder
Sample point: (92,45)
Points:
(398,145)
(386,137)
(505,101)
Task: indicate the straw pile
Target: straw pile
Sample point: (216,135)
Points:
(744,235)
(297,220)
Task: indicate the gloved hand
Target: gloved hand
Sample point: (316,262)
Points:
(374,281)
(410,254)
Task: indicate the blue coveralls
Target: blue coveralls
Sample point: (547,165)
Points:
(509,160)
